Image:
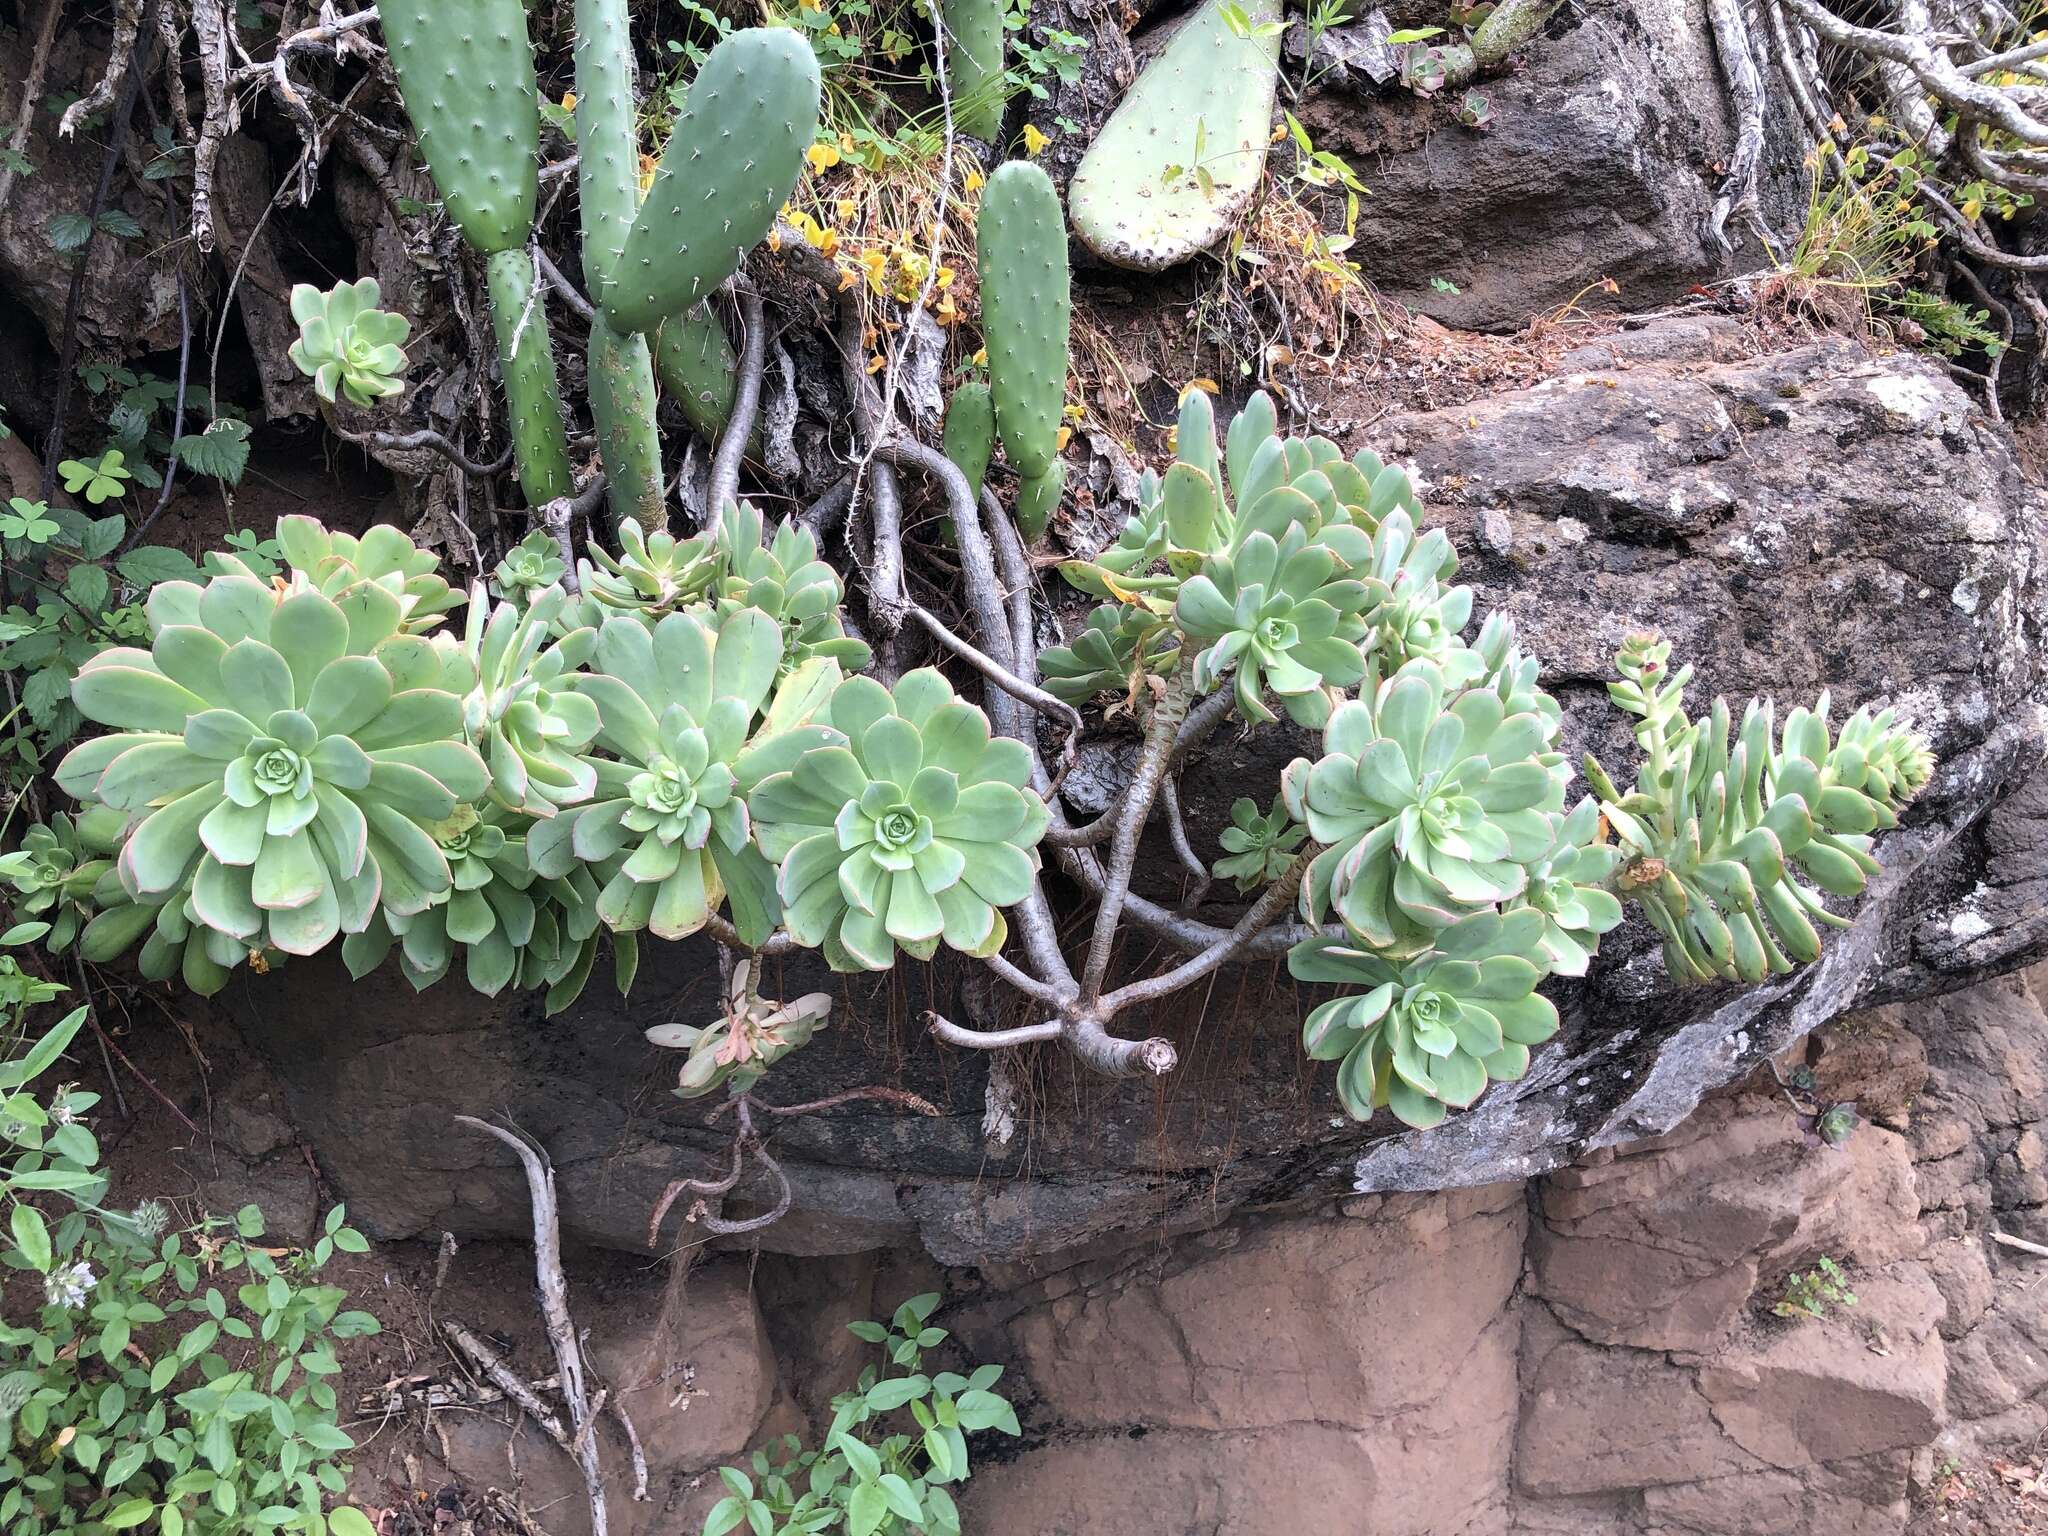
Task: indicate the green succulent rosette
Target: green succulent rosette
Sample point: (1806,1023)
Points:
(1259,845)
(652,574)
(383,555)
(1425,1035)
(1112,653)
(176,944)
(1568,889)
(284,754)
(57,867)
(522,711)
(1271,614)
(677,705)
(346,344)
(529,568)
(1411,612)
(918,830)
(785,579)
(1430,805)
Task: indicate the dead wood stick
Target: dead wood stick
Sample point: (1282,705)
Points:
(554,1306)
(2007,1241)
(505,1379)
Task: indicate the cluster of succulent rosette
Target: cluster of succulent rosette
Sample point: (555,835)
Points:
(1437,852)
(680,739)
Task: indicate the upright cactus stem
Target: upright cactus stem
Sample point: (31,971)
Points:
(970,432)
(732,161)
(465,73)
(698,369)
(526,357)
(620,365)
(622,408)
(974,65)
(1183,153)
(1026,314)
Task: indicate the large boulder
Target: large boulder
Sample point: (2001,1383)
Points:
(1603,158)
(1795,519)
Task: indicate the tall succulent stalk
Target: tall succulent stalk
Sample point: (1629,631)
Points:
(466,75)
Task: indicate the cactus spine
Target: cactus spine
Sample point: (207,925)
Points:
(621,367)
(465,74)
(974,66)
(732,161)
(1184,151)
(1026,314)
(969,437)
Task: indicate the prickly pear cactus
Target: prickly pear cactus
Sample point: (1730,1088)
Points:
(1038,497)
(970,431)
(733,159)
(1026,310)
(526,356)
(465,71)
(974,65)
(698,369)
(1182,155)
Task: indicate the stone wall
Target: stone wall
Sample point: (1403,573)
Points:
(1592,1353)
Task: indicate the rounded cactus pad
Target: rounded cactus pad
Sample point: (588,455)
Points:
(465,71)
(1026,310)
(1181,156)
(735,155)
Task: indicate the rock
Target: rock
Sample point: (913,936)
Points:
(1795,520)
(282,1188)
(1602,161)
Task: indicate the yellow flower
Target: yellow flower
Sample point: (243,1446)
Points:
(981,358)
(568,101)
(822,156)
(877,363)
(944,312)
(845,209)
(847,278)
(647,168)
(974,181)
(1066,436)
(775,238)
(944,280)
(1206,386)
(1034,141)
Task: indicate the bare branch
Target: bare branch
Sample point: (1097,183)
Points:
(1274,900)
(746,403)
(992,1039)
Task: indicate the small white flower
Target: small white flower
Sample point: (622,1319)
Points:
(67,1285)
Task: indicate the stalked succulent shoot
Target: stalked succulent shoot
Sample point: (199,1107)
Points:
(1113,653)
(1182,155)
(284,752)
(348,346)
(919,829)
(465,74)
(735,1050)
(1026,312)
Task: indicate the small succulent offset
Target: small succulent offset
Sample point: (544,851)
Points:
(755,1032)
(1111,653)
(347,344)
(785,579)
(1272,614)
(281,757)
(58,865)
(653,573)
(920,828)
(520,709)
(529,567)
(333,562)
(1260,846)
